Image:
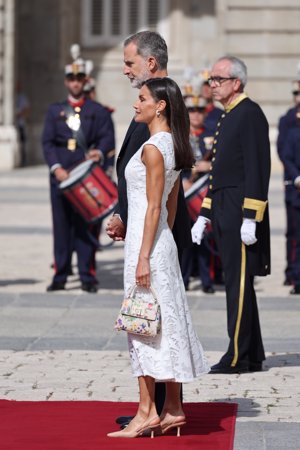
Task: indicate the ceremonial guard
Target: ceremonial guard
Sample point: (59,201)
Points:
(213,113)
(291,159)
(75,130)
(237,207)
(201,140)
(286,123)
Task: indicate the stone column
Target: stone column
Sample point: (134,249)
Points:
(9,153)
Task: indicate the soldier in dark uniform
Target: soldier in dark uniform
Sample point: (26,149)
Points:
(291,161)
(236,205)
(286,122)
(74,130)
(145,56)
(213,113)
(201,140)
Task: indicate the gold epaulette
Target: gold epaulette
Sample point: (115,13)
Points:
(255,205)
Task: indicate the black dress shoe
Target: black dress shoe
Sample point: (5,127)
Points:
(55,286)
(124,419)
(92,288)
(295,290)
(287,282)
(208,290)
(222,368)
(255,366)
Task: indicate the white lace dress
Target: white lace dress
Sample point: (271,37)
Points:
(176,353)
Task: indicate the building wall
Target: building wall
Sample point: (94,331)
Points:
(264,33)
(38,65)
(8,132)
(192,38)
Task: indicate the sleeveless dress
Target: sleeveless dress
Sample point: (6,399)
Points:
(175,354)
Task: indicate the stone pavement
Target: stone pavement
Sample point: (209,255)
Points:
(62,346)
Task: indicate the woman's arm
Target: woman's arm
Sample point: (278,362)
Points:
(155,181)
(172,203)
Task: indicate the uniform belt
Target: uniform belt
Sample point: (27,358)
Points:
(288,182)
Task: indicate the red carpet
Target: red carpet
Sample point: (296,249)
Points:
(78,425)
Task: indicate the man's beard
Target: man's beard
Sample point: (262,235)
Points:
(76,94)
(138,82)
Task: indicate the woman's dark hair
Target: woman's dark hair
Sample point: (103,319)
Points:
(177,118)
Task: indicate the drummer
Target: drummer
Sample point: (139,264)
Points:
(75,129)
(201,140)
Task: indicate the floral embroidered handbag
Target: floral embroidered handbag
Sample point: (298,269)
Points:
(139,315)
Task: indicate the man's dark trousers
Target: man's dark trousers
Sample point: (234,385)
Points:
(242,314)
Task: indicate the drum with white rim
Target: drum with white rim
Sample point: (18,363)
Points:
(90,191)
(194,196)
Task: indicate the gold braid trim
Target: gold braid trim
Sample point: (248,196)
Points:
(257,205)
(240,307)
(206,203)
(235,102)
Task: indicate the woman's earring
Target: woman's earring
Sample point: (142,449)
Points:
(157,113)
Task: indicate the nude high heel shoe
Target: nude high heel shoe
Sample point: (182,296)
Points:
(151,425)
(176,422)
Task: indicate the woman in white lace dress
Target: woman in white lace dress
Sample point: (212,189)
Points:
(175,356)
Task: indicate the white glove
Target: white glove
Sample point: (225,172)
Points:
(297,182)
(198,229)
(248,229)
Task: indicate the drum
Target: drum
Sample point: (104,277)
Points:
(194,196)
(91,192)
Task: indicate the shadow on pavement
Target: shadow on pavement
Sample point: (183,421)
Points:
(282,360)
(110,273)
(18,281)
(247,407)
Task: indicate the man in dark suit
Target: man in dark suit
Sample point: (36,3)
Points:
(145,56)
(236,205)
(75,129)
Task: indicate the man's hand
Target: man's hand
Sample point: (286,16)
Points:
(198,229)
(94,154)
(202,166)
(61,174)
(115,228)
(248,229)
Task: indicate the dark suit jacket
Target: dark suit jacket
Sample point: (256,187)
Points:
(136,135)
